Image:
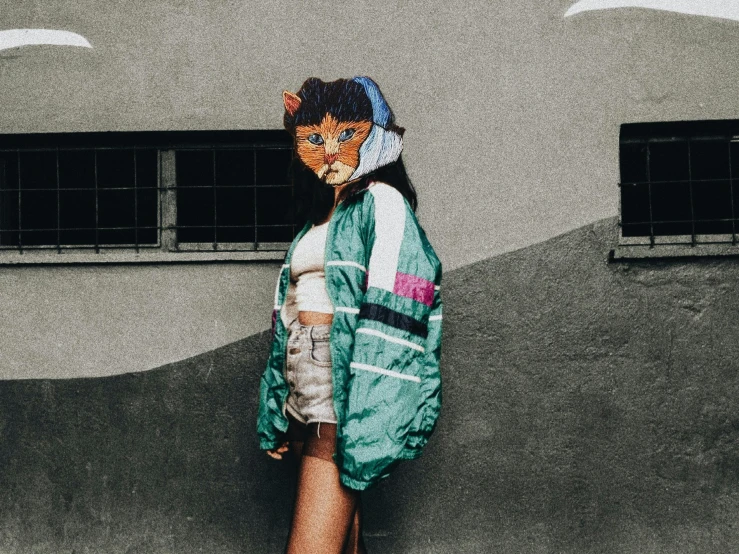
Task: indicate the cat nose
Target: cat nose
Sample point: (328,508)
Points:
(329,158)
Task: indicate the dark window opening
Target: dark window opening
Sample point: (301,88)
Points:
(679,182)
(234,196)
(62,197)
(214,190)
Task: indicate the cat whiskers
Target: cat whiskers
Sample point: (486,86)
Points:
(321,173)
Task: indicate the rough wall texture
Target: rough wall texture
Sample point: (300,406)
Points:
(84,321)
(508,104)
(588,408)
(512,115)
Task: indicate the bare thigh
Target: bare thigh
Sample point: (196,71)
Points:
(324,509)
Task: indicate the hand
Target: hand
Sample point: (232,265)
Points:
(277,453)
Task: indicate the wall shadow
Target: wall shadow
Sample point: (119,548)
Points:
(588,407)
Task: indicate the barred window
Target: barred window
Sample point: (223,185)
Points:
(679,188)
(159,196)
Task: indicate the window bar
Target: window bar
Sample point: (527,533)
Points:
(215,201)
(620,220)
(20,234)
(97,248)
(58,220)
(168,200)
(3,181)
(256,226)
(135,200)
(731,196)
(649,193)
(160,170)
(690,189)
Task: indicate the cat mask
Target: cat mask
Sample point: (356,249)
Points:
(343,129)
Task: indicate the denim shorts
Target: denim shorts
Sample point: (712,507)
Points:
(308,373)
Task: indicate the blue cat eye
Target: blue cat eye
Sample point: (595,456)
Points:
(315,138)
(346,134)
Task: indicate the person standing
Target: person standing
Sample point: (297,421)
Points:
(352,385)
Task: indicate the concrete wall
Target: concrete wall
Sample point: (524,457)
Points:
(101,320)
(512,115)
(509,105)
(588,408)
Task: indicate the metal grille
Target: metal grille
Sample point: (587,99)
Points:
(679,188)
(181,196)
(232,197)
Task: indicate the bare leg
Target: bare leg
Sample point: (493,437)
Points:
(324,509)
(354,541)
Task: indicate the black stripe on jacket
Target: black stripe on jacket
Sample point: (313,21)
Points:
(383,314)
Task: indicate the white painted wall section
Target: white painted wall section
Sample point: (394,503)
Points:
(15,38)
(723,9)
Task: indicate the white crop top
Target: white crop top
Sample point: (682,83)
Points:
(306,271)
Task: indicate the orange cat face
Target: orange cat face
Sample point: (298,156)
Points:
(331,148)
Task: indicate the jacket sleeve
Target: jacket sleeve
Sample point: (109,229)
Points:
(394,386)
(271,422)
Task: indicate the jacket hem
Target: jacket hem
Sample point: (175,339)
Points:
(354,483)
(266,444)
(410,454)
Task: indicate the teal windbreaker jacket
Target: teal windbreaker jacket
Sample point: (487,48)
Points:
(383,278)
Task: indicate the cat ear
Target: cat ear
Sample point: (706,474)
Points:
(292,102)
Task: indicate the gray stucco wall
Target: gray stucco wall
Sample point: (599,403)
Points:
(588,408)
(508,105)
(65,321)
(511,110)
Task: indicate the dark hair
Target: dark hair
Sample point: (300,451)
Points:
(345,99)
(314,198)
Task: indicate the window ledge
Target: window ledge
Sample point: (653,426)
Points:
(118,256)
(645,251)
